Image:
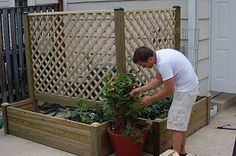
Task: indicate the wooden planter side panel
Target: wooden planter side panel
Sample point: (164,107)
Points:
(67,135)
(61,134)
(101,142)
(24,104)
(200,115)
(199,118)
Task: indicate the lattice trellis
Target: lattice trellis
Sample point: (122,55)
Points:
(151,28)
(72,52)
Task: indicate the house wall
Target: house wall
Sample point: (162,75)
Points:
(38,2)
(202,16)
(203,23)
(4,3)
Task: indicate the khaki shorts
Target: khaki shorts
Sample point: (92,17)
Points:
(180,110)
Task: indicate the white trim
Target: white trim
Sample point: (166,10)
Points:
(31,2)
(191,31)
(65,5)
(210,49)
(12,3)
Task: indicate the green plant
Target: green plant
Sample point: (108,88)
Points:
(1,120)
(86,112)
(121,109)
(158,109)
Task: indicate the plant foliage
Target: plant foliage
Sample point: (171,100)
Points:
(86,112)
(158,109)
(121,109)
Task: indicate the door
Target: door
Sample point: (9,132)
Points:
(223,46)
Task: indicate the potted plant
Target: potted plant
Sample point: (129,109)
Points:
(122,111)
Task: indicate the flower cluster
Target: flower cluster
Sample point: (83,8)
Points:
(137,132)
(138,135)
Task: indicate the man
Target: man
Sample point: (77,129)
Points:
(179,79)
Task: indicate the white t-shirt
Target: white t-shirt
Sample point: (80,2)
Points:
(171,63)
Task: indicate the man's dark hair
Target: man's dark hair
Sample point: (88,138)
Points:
(142,54)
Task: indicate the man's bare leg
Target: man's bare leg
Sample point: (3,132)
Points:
(182,149)
(177,139)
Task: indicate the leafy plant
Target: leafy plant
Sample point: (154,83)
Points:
(158,109)
(121,109)
(86,112)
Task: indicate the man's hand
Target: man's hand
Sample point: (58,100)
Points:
(147,100)
(135,92)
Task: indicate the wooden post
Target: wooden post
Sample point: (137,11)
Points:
(4,111)
(61,5)
(120,40)
(96,143)
(177,27)
(29,61)
(208,109)
(156,139)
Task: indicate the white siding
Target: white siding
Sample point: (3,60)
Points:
(203,18)
(203,9)
(203,22)
(203,25)
(108,4)
(203,85)
(203,49)
(202,70)
(4,3)
(38,2)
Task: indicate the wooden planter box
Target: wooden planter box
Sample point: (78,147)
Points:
(67,135)
(88,140)
(161,138)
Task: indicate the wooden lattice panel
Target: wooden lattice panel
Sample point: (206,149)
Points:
(151,28)
(72,52)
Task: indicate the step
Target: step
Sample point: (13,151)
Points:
(223,101)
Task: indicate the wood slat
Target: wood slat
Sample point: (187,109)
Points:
(51,128)
(2,69)
(14,53)
(55,141)
(84,128)
(22,74)
(21,103)
(8,54)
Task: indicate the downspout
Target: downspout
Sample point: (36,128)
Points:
(192,38)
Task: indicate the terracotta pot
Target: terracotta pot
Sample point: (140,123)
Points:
(125,145)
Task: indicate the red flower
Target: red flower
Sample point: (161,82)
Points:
(133,132)
(143,134)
